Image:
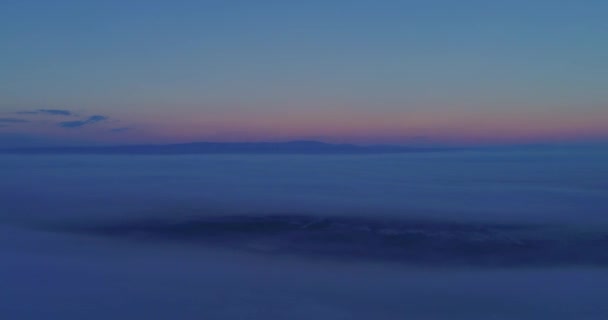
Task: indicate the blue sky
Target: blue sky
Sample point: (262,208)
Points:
(355,71)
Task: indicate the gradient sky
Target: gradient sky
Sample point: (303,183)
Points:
(369,71)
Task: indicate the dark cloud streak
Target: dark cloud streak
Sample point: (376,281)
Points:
(80,123)
(12,120)
(118,130)
(54,112)
(97,118)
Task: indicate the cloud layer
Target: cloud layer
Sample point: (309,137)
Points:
(123,129)
(12,120)
(80,123)
(54,112)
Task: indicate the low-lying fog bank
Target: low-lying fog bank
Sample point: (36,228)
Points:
(463,235)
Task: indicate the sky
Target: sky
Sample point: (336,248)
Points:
(359,71)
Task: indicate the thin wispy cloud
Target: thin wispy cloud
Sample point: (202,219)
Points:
(72,124)
(81,123)
(118,130)
(53,112)
(97,118)
(12,120)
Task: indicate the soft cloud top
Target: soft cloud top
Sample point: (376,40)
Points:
(12,120)
(80,123)
(54,112)
(123,129)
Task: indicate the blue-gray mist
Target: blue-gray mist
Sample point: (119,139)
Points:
(511,234)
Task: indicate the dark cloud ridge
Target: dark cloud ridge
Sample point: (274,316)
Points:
(12,120)
(54,112)
(80,123)
(123,129)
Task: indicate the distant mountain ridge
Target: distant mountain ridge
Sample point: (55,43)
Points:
(290,147)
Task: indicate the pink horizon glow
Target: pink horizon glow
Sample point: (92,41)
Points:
(330,126)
